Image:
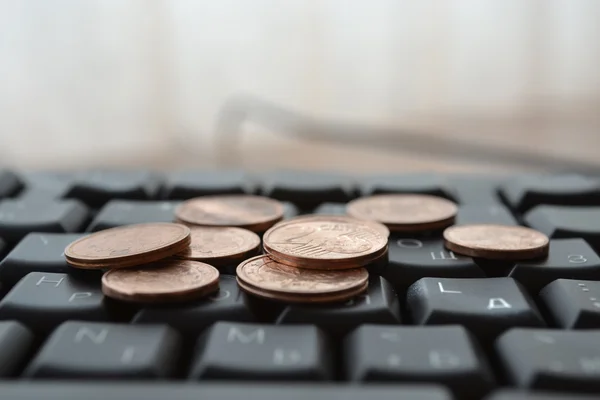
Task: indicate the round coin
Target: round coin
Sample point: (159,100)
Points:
(343,218)
(127,246)
(405,212)
(255,213)
(220,246)
(168,280)
(497,242)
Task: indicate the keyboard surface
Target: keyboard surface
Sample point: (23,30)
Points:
(432,324)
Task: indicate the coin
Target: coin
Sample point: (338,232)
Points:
(343,218)
(221,246)
(497,242)
(265,277)
(255,213)
(169,280)
(127,246)
(324,242)
(405,212)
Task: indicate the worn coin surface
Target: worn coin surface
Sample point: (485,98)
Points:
(127,246)
(343,218)
(255,213)
(169,280)
(219,246)
(498,242)
(405,212)
(320,240)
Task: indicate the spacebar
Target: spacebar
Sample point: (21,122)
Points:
(67,390)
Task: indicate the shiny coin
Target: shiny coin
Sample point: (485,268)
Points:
(497,242)
(255,213)
(343,218)
(165,281)
(267,278)
(127,246)
(324,243)
(221,246)
(405,212)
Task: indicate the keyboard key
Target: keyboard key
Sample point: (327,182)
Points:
(308,189)
(95,188)
(10,183)
(446,355)
(70,390)
(183,185)
(413,259)
(551,359)
(476,189)
(40,252)
(16,343)
(431,184)
(96,350)
(560,222)
(289,210)
(330,209)
(567,258)
(228,304)
(486,307)
(44,300)
(255,352)
(525,192)
(487,214)
(508,394)
(379,305)
(18,218)
(45,186)
(128,212)
(573,303)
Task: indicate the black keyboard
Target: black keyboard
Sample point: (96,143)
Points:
(433,325)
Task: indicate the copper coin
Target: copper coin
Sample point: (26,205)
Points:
(405,212)
(219,246)
(127,246)
(497,242)
(255,213)
(324,241)
(168,280)
(343,218)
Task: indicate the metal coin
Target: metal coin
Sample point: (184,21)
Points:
(255,213)
(220,246)
(168,280)
(497,242)
(405,212)
(127,246)
(343,218)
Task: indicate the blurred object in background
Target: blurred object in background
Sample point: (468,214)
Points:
(134,83)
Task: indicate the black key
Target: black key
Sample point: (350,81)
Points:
(528,191)
(308,189)
(567,258)
(486,307)
(508,394)
(128,212)
(413,259)
(486,214)
(447,355)
(431,184)
(255,352)
(10,183)
(330,209)
(95,350)
(35,390)
(228,304)
(40,252)
(551,359)
(16,343)
(18,218)
(44,300)
(289,210)
(183,185)
(476,190)
(379,305)
(567,222)
(45,186)
(573,303)
(95,188)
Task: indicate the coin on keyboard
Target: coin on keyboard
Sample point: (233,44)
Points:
(255,213)
(322,242)
(496,242)
(165,281)
(405,212)
(128,246)
(221,246)
(343,218)
(264,277)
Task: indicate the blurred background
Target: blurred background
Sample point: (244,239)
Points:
(330,84)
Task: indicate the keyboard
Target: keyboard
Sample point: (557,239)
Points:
(432,325)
